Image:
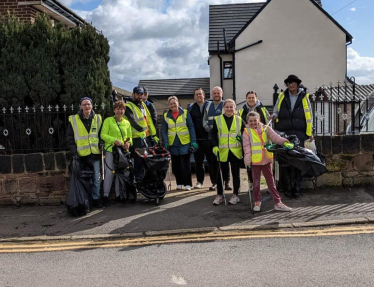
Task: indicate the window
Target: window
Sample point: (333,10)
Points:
(227,70)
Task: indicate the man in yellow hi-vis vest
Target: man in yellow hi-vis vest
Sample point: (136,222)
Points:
(83,140)
(293,115)
(142,128)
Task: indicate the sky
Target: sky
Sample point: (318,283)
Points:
(164,39)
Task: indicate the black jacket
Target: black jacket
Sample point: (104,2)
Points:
(152,110)
(257,109)
(197,119)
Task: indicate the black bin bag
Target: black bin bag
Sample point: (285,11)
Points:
(78,202)
(310,164)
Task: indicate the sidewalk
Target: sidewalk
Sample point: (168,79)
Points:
(190,211)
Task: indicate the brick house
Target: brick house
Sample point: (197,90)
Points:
(26,11)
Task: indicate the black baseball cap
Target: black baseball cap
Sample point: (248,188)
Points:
(138,90)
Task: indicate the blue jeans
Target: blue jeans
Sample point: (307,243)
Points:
(96,180)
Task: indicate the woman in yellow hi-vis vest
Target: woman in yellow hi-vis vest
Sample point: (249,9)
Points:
(258,159)
(82,137)
(178,135)
(227,139)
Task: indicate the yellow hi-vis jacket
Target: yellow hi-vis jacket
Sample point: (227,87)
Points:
(87,143)
(178,128)
(308,117)
(227,138)
(257,145)
(146,125)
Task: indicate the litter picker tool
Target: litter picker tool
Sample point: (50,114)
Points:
(220,172)
(250,191)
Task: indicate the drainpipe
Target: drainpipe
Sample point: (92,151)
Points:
(346,54)
(220,65)
(233,77)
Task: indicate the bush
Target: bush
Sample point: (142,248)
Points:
(42,65)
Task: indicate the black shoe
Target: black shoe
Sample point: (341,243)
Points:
(213,187)
(97,203)
(106,201)
(288,192)
(296,190)
(227,185)
(133,198)
(120,199)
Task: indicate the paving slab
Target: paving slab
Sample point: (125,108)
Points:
(191,210)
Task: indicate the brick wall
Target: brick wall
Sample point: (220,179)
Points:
(34,178)
(25,13)
(44,179)
(349,160)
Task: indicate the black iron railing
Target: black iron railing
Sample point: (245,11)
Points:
(342,109)
(35,129)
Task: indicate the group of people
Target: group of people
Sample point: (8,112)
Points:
(211,130)
(132,126)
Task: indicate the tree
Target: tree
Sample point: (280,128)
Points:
(41,64)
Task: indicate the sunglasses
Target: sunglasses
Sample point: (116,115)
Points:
(290,83)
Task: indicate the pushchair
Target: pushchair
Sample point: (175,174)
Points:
(156,164)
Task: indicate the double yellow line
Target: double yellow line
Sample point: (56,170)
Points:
(50,245)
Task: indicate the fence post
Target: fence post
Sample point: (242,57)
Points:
(353,102)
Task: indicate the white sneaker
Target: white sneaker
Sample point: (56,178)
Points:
(234,199)
(179,187)
(257,206)
(218,200)
(187,187)
(282,207)
(198,185)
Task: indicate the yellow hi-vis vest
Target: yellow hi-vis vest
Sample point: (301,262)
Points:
(227,138)
(308,117)
(257,145)
(87,143)
(178,128)
(146,125)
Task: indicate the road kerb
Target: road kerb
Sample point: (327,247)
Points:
(331,222)
(188,231)
(181,231)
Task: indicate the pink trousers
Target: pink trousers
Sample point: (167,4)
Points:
(268,174)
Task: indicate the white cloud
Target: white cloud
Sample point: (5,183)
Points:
(149,41)
(362,68)
(353,9)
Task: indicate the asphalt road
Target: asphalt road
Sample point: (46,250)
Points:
(295,261)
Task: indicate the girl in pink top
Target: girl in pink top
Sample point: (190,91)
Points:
(256,157)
